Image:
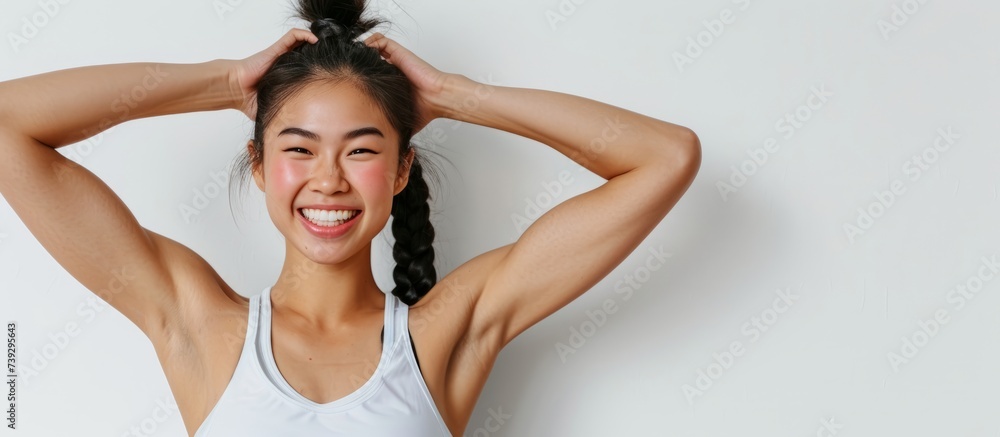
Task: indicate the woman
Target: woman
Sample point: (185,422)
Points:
(331,152)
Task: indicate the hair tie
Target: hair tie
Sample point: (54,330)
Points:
(336,29)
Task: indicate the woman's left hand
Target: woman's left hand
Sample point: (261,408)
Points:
(428,81)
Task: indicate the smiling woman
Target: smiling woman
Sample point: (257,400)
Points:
(326,137)
(324,351)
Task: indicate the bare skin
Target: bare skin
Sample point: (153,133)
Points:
(197,323)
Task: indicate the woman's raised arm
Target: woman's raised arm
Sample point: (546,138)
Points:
(75,216)
(648,163)
(63,107)
(66,106)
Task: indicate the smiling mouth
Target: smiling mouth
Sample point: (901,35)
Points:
(328,220)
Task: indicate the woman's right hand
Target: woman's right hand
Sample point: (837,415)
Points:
(244,74)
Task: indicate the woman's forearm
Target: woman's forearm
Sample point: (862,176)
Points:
(66,106)
(605,139)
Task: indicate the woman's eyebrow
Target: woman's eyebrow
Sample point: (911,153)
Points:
(369,130)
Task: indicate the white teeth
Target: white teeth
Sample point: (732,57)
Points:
(328,218)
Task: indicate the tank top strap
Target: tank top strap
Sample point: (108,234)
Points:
(253,322)
(389,322)
(400,320)
(399,317)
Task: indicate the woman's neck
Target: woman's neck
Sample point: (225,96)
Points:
(325,295)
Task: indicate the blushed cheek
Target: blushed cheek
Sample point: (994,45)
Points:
(283,175)
(284,179)
(376,177)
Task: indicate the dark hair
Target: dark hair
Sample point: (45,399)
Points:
(340,57)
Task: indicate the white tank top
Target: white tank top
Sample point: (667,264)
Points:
(259,402)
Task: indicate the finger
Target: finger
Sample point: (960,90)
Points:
(288,41)
(378,41)
(374,37)
(390,50)
(295,36)
(381,42)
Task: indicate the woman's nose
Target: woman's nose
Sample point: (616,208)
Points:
(328,179)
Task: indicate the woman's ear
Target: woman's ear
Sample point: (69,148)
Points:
(403,176)
(255,170)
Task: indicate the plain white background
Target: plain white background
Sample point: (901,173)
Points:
(855,353)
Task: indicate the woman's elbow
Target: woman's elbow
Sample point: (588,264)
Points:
(682,154)
(691,146)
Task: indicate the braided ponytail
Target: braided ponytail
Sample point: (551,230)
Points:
(414,273)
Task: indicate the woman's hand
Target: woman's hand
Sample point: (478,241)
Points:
(428,81)
(244,75)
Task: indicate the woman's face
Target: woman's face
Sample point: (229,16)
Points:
(330,145)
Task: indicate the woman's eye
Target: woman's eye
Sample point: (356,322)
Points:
(306,151)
